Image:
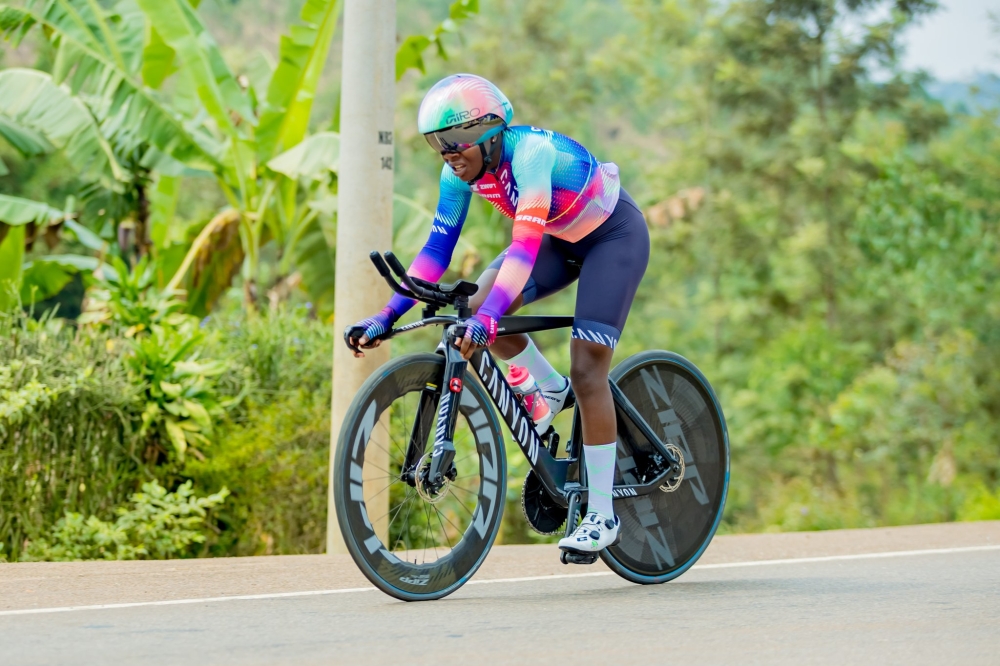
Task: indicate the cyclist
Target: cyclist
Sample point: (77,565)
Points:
(572,221)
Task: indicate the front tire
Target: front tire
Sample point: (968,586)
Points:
(420,549)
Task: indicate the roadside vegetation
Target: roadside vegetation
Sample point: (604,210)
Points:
(826,247)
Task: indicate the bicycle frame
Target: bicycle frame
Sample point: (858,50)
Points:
(556,474)
(561,477)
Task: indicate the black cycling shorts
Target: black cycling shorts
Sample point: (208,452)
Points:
(609,262)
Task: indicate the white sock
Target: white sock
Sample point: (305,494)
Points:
(545,375)
(601,461)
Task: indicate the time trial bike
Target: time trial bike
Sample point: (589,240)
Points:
(423,430)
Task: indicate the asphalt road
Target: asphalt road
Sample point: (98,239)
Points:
(937,604)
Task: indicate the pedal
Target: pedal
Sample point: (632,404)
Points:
(569,557)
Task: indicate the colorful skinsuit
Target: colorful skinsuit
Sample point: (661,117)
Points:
(547,183)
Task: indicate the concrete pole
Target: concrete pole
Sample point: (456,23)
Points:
(364,218)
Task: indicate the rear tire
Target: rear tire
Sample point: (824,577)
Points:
(664,533)
(428,548)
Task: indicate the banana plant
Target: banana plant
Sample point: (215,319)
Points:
(252,137)
(15,215)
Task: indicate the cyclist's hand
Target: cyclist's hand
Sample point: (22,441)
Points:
(480,331)
(365,333)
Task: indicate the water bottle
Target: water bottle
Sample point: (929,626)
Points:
(526,389)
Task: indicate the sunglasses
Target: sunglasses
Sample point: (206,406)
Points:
(462,137)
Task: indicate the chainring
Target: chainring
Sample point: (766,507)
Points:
(540,510)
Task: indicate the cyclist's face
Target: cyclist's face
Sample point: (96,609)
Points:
(465,164)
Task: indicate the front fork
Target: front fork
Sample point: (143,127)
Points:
(443,453)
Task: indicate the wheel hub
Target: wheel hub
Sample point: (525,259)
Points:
(674,482)
(430,491)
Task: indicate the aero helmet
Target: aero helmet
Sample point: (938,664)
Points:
(463,110)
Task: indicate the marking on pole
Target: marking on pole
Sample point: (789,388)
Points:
(526,579)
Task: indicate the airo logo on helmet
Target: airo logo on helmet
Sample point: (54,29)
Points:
(461,116)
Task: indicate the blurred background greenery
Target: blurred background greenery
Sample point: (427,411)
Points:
(824,226)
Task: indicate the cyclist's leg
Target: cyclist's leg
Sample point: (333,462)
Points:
(614,260)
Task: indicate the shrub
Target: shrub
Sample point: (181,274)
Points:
(69,427)
(88,414)
(276,464)
(158,525)
(273,451)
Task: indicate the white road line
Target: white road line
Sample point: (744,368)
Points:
(835,558)
(316,593)
(177,602)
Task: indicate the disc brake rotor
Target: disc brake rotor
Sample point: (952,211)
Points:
(424,489)
(672,484)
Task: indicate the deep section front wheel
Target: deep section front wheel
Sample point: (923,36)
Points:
(665,532)
(412,540)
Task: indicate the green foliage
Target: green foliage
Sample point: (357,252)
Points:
(181,401)
(409,55)
(292,87)
(180,28)
(34,106)
(75,434)
(159,525)
(69,422)
(274,451)
(46,276)
(275,459)
(11,256)
(127,299)
(15,211)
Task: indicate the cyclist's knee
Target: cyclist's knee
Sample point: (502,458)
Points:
(588,380)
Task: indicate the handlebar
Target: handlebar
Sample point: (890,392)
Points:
(432,294)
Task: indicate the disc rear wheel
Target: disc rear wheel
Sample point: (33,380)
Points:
(665,532)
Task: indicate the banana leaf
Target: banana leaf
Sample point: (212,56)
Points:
(26,141)
(314,158)
(45,277)
(11,256)
(31,99)
(212,262)
(15,211)
(302,54)
(315,258)
(178,25)
(83,61)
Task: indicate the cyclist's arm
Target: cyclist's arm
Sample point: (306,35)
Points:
(433,260)
(532,171)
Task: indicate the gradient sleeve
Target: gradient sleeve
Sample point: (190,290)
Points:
(433,260)
(531,167)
